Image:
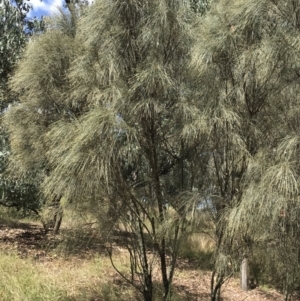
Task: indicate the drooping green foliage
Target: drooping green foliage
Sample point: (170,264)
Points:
(35,112)
(246,63)
(110,109)
(269,81)
(130,83)
(153,112)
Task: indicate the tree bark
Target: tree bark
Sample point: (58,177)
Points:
(53,222)
(58,220)
(148,288)
(216,284)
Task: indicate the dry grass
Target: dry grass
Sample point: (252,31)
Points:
(200,247)
(68,267)
(77,268)
(59,279)
(74,266)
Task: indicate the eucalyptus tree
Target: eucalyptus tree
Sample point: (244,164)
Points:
(15,28)
(110,108)
(201,6)
(247,63)
(12,41)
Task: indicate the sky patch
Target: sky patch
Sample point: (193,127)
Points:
(44,8)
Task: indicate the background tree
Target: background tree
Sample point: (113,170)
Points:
(250,77)
(273,192)
(15,28)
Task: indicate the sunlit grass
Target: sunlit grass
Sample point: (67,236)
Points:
(20,280)
(59,279)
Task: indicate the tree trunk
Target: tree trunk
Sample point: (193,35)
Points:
(52,220)
(153,160)
(215,286)
(244,273)
(148,289)
(58,220)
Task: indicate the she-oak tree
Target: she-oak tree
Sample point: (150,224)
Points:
(247,63)
(109,106)
(134,118)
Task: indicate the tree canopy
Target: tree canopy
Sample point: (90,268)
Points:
(150,109)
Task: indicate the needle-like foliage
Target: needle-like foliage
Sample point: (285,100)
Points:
(40,84)
(105,117)
(152,112)
(247,63)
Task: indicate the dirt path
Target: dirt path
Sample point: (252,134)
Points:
(29,241)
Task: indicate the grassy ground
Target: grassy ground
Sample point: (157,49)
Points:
(55,278)
(75,266)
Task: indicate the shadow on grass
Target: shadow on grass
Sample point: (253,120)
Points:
(196,260)
(85,242)
(119,290)
(14,224)
(75,241)
(21,235)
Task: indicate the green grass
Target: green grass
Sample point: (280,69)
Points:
(20,280)
(64,280)
(59,279)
